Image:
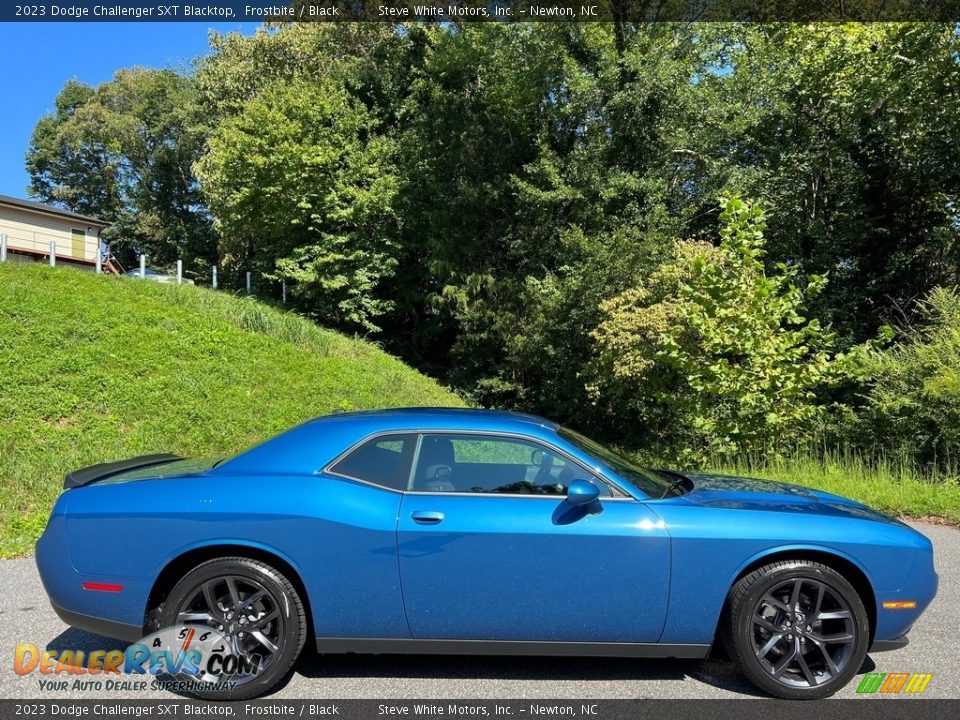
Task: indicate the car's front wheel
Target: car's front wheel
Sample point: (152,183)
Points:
(798,629)
(259,622)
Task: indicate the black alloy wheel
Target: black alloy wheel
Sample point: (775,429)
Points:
(257,612)
(798,629)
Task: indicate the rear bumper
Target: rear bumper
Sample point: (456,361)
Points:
(99,626)
(88,609)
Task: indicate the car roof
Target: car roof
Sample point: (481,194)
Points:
(309,446)
(434,418)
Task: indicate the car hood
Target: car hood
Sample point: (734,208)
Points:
(753,494)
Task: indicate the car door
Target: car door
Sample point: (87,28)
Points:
(490,549)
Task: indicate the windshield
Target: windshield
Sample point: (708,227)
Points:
(647,481)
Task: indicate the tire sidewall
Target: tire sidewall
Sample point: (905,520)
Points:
(743,630)
(290,610)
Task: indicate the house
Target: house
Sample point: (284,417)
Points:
(30,227)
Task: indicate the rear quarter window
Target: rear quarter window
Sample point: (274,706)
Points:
(383,460)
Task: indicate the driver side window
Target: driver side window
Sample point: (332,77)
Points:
(493,464)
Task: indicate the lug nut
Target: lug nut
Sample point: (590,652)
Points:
(240,634)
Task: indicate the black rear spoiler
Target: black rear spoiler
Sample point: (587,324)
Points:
(87,475)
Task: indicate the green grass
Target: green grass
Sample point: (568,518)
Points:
(892,485)
(104,368)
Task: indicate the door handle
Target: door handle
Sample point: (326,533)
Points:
(425,517)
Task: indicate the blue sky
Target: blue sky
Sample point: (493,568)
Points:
(36,59)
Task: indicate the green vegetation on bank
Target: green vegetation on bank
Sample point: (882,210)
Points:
(103,368)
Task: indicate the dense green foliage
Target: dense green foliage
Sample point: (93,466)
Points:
(303,195)
(714,355)
(532,212)
(913,400)
(98,368)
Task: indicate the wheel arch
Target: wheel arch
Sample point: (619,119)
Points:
(179,565)
(844,565)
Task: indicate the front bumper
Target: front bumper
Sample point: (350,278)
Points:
(887,645)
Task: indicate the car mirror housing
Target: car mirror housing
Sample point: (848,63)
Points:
(582,492)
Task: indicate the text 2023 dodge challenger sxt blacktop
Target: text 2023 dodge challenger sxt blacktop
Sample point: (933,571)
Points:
(469,531)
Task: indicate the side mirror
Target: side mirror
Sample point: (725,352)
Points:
(582,492)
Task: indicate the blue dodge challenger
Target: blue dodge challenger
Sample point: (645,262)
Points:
(471,531)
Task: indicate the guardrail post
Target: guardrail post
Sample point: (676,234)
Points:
(53,253)
(214,277)
(179,271)
(3,248)
(248,282)
(143,265)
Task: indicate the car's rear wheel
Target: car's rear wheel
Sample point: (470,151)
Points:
(798,629)
(254,608)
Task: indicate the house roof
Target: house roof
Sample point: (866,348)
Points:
(33,206)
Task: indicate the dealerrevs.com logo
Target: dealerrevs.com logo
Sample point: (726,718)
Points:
(185,658)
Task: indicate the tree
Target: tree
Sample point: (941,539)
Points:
(123,151)
(302,190)
(850,134)
(70,168)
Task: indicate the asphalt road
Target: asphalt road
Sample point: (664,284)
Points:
(25,616)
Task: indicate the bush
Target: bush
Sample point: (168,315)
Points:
(912,402)
(712,355)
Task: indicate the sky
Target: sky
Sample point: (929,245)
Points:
(38,58)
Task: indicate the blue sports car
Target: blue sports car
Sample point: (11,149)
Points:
(471,531)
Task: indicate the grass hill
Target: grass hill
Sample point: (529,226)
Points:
(103,368)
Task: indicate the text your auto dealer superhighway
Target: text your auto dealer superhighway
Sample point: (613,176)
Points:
(110,11)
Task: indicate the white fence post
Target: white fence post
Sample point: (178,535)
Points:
(214,277)
(143,265)
(284,286)
(248,282)
(179,271)
(3,248)
(53,253)
(99,257)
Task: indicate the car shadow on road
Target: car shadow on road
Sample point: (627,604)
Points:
(73,639)
(715,672)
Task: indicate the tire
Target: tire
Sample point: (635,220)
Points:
(271,608)
(821,648)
